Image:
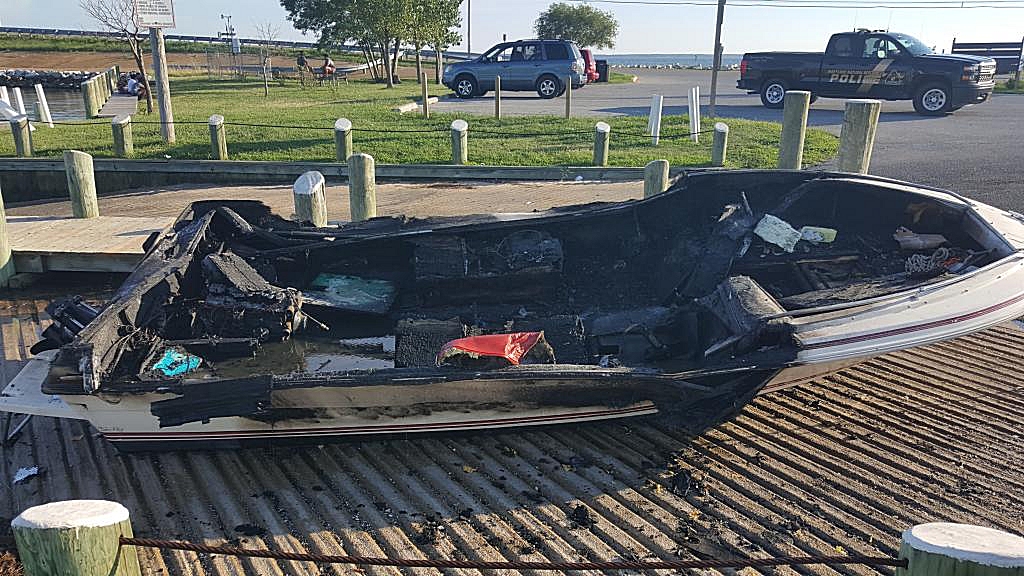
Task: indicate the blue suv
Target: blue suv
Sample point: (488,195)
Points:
(541,65)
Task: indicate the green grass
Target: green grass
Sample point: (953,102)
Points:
(394,138)
(1010,87)
(620,78)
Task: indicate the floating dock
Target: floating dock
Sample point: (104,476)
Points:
(102,244)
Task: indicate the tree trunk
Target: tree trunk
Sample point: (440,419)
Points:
(379,63)
(419,63)
(387,66)
(370,69)
(438,63)
(394,62)
(140,62)
(266,79)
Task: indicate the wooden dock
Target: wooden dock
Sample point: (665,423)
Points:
(102,244)
(119,104)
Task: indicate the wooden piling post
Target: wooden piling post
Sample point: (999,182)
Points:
(6,261)
(568,96)
(720,145)
(81,184)
(218,139)
(655,177)
(947,549)
(343,138)
(460,142)
(89,96)
(37,108)
(602,135)
(425,95)
(121,126)
(362,187)
(794,129)
(76,538)
(310,195)
(858,135)
(22,136)
(497,97)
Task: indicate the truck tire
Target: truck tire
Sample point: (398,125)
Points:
(548,86)
(773,93)
(933,99)
(465,86)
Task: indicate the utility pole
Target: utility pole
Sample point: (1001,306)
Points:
(469,28)
(716,60)
(157,15)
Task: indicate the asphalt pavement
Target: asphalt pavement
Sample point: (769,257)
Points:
(976,151)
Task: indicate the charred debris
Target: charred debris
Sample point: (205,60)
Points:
(693,283)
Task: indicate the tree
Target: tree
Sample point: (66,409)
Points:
(584,25)
(433,22)
(118,16)
(267,32)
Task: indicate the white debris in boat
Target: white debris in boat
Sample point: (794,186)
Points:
(25,473)
(910,240)
(778,232)
(818,234)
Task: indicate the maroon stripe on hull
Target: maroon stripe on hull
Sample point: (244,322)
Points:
(393,428)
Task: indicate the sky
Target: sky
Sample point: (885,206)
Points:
(643,29)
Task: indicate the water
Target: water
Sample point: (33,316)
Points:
(670,60)
(64,104)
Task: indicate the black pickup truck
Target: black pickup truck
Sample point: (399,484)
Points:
(872,64)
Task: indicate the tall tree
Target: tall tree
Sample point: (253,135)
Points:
(267,32)
(118,16)
(583,24)
(433,23)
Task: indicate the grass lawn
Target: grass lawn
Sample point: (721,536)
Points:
(394,138)
(620,77)
(1009,87)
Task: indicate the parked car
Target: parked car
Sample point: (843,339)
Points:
(590,65)
(541,65)
(872,64)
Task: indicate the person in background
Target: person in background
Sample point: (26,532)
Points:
(133,84)
(329,66)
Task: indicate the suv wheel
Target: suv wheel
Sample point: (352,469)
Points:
(465,87)
(548,86)
(773,93)
(933,100)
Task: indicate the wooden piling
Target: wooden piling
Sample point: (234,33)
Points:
(655,177)
(460,142)
(76,538)
(22,136)
(37,108)
(425,95)
(218,139)
(857,138)
(497,97)
(362,187)
(89,96)
(794,129)
(6,261)
(720,145)
(81,184)
(947,549)
(343,138)
(121,126)
(310,196)
(602,135)
(568,96)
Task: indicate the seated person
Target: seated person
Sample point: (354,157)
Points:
(328,67)
(133,85)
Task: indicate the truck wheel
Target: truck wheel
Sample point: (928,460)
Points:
(773,92)
(933,100)
(465,86)
(548,86)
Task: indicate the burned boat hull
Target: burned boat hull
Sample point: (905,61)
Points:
(241,325)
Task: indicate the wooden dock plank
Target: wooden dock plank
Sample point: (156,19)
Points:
(119,104)
(103,244)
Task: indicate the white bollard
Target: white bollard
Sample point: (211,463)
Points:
(41,97)
(654,122)
(19,101)
(695,113)
(309,194)
(4,96)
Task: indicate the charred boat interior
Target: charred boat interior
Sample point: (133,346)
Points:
(699,280)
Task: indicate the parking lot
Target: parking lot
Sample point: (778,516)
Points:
(974,151)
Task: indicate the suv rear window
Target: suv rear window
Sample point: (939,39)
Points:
(557,51)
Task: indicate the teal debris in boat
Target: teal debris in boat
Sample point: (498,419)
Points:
(175,362)
(350,293)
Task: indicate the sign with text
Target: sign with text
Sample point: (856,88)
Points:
(154,13)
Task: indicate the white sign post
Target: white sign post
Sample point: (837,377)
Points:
(157,15)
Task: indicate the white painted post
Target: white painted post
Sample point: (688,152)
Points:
(857,137)
(460,142)
(650,115)
(720,144)
(4,96)
(695,113)
(654,124)
(20,101)
(655,177)
(425,95)
(343,138)
(41,96)
(77,538)
(310,196)
(947,549)
(362,187)
(602,134)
